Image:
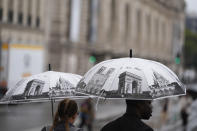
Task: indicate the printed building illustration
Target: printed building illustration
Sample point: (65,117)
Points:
(34,88)
(129,83)
(62,88)
(98,80)
(161,87)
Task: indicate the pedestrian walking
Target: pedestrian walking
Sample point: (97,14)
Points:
(131,120)
(65,116)
(164,111)
(185,103)
(87,114)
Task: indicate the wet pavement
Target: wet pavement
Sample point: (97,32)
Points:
(33,116)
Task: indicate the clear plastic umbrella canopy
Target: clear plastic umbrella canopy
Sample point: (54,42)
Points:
(131,78)
(43,86)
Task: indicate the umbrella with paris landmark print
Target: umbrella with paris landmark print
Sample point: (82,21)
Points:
(131,78)
(43,87)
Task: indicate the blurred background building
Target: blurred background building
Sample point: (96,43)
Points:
(191,22)
(22,39)
(83,33)
(74,35)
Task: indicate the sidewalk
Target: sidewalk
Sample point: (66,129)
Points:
(106,111)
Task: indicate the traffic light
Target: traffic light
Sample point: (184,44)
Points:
(178,58)
(92,59)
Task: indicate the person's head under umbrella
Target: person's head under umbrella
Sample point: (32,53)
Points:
(131,120)
(141,108)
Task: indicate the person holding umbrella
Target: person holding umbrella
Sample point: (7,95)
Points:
(137,80)
(131,120)
(65,116)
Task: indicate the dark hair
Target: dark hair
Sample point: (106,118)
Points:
(66,109)
(132,102)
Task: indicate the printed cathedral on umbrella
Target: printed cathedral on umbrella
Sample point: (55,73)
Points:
(43,86)
(130,78)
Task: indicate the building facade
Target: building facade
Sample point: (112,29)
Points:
(107,29)
(74,35)
(22,38)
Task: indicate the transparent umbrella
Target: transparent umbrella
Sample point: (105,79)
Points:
(43,87)
(130,78)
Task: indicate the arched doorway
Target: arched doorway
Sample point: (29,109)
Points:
(37,90)
(134,87)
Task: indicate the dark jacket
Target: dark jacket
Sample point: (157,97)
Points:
(127,122)
(61,127)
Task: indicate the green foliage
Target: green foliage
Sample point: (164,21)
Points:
(190,49)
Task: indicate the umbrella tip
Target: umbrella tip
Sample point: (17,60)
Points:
(49,67)
(130,55)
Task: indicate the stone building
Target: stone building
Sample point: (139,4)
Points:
(69,32)
(22,21)
(22,39)
(107,29)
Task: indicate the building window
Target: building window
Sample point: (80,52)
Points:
(29,20)
(10,16)
(20,18)
(138,26)
(1,14)
(37,13)
(38,22)
(112,19)
(68,16)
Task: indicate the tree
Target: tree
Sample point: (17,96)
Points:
(190,49)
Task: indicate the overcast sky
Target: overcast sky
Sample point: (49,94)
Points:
(191,5)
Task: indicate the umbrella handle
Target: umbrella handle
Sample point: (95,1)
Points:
(52,109)
(96,106)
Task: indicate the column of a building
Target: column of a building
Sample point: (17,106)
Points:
(5,10)
(151,35)
(133,25)
(170,38)
(25,10)
(15,11)
(113,22)
(148,32)
(63,18)
(104,30)
(84,21)
(144,45)
(65,53)
(159,44)
(138,29)
(34,12)
(42,15)
(164,37)
(119,24)
(155,39)
(46,25)
(130,27)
